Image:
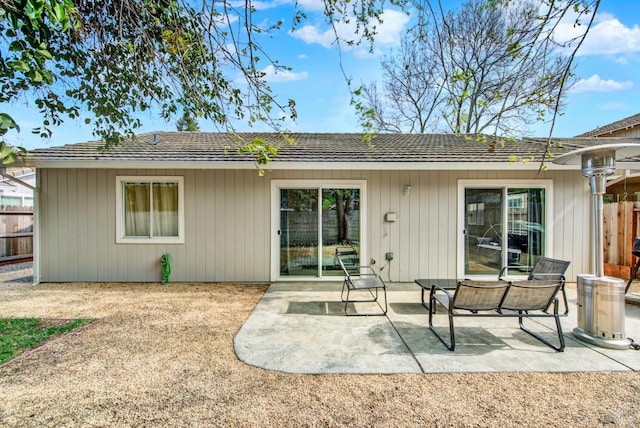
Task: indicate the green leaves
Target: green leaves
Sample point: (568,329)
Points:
(9,155)
(35,30)
(117,58)
(6,123)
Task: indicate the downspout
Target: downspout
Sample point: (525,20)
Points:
(36,231)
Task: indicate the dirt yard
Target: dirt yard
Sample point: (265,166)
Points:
(163,356)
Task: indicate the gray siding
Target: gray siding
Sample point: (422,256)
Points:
(228,225)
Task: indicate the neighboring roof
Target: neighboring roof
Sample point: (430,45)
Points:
(626,123)
(20,173)
(309,150)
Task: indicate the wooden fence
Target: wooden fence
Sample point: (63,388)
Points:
(16,233)
(620,228)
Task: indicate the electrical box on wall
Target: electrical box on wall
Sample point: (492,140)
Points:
(391,217)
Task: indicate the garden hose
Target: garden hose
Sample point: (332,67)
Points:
(166,268)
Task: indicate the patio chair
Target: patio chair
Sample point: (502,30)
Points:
(546,268)
(362,278)
(521,299)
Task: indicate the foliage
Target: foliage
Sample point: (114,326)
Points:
(105,61)
(489,67)
(19,334)
(116,58)
(187,123)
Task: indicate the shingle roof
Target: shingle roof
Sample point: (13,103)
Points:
(618,125)
(206,147)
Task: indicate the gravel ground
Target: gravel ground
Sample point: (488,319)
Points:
(163,356)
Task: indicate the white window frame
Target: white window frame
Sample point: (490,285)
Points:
(320,185)
(504,185)
(120,227)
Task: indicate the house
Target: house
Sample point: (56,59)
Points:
(625,186)
(628,127)
(418,206)
(15,187)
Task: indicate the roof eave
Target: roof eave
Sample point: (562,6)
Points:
(299,165)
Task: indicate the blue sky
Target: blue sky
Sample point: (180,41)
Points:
(608,88)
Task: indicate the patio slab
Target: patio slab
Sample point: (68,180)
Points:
(301,328)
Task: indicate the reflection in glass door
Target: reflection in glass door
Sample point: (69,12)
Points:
(501,217)
(340,229)
(526,209)
(310,231)
(298,232)
(483,231)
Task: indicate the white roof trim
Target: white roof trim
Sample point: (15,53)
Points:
(280,165)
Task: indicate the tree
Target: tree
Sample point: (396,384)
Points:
(104,61)
(490,67)
(411,93)
(344,209)
(116,58)
(187,123)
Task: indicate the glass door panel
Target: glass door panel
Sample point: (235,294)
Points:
(340,229)
(483,232)
(299,232)
(526,226)
(314,223)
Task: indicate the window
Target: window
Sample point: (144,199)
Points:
(11,201)
(475,213)
(150,210)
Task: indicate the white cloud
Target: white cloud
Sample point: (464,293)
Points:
(311,34)
(387,32)
(596,84)
(317,5)
(274,75)
(607,36)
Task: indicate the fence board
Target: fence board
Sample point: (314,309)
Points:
(620,227)
(16,233)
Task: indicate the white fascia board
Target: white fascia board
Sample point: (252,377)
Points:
(276,165)
(119,164)
(417,166)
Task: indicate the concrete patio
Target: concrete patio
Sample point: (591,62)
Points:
(301,328)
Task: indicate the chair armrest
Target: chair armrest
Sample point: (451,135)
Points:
(432,293)
(437,287)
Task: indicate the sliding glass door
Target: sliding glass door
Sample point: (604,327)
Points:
(502,226)
(313,221)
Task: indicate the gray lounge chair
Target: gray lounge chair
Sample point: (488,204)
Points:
(362,278)
(545,268)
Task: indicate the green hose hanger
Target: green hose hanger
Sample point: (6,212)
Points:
(166,268)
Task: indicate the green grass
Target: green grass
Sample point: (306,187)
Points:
(20,334)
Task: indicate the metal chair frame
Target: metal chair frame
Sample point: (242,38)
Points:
(494,297)
(361,280)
